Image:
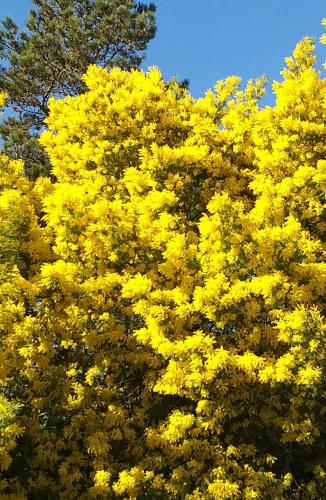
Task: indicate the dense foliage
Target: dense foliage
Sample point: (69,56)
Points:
(62,38)
(162,300)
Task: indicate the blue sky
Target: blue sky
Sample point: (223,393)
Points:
(205,40)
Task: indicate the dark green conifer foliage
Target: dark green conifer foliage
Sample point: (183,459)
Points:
(62,38)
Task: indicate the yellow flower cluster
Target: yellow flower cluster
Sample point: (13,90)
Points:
(162,300)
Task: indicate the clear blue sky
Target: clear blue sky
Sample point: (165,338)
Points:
(205,40)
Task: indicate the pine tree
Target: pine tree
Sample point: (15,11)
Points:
(62,38)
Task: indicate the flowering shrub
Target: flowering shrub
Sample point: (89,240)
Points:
(162,297)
